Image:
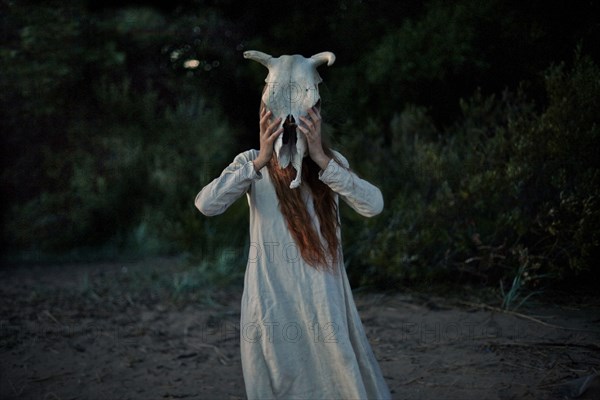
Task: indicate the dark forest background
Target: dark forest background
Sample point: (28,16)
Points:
(479,120)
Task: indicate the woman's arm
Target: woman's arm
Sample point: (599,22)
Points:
(362,196)
(234,181)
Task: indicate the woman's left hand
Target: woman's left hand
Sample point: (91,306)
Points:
(311,127)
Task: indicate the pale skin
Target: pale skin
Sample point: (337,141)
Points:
(310,127)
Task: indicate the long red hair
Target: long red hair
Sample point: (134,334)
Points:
(322,256)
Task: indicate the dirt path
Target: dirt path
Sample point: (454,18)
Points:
(93,331)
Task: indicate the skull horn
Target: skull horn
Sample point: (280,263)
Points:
(258,56)
(323,57)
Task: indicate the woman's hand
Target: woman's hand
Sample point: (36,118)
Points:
(268,135)
(311,128)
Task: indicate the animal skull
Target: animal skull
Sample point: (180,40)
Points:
(291,89)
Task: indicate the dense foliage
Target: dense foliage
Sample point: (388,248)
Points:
(478,121)
(504,188)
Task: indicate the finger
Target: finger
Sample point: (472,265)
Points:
(264,114)
(263,111)
(318,112)
(274,124)
(306,132)
(307,122)
(314,114)
(265,118)
(275,134)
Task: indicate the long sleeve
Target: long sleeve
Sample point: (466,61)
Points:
(362,196)
(234,181)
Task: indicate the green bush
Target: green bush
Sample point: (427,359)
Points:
(106,146)
(109,136)
(129,177)
(504,186)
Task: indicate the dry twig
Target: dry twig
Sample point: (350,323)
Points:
(527,317)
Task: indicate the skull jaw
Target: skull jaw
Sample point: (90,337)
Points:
(292,151)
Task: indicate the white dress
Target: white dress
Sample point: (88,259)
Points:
(301,335)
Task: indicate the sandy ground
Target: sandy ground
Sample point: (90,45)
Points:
(87,331)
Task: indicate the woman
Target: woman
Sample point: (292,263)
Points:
(301,335)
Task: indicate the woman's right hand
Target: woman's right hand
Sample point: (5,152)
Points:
(268,135)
